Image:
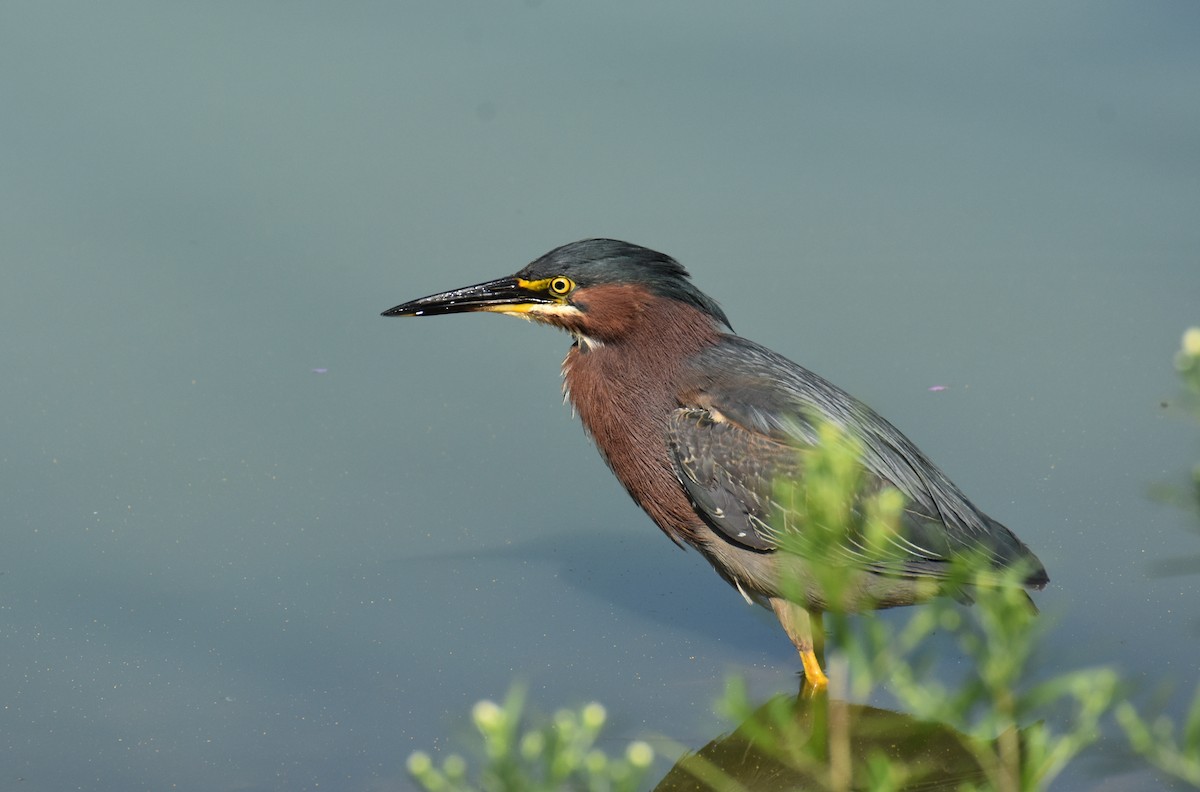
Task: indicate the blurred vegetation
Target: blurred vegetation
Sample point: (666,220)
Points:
(558,754)
(1156,740)
(997,726)
(993,716)
(816,741)
(1186,497)
(1187,363)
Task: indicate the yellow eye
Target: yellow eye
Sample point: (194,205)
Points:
(560,286)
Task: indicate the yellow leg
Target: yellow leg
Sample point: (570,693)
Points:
(798,623)
(813,674)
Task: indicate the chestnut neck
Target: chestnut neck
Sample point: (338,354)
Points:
(633,342)
(624,379)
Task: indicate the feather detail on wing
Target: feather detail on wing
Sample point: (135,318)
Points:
(742,433)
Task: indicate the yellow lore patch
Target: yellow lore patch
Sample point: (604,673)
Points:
(540,285)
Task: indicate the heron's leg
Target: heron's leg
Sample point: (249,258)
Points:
(802,627)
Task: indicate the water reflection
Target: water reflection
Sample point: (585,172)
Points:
(806,741)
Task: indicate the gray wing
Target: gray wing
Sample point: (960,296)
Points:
(744,485)
(753,411)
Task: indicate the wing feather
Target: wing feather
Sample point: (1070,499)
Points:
(743,429)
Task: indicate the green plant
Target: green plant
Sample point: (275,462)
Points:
(1156,740)
(1006,723)
(1187,362)
(517,756)
(998,715)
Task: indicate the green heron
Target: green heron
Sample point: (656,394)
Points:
(699,424)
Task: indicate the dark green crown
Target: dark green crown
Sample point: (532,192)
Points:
(590,262)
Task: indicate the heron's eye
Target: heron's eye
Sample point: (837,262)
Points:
(560,286)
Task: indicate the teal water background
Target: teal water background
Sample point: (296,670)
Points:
(256,537)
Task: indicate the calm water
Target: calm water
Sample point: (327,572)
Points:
(257,537)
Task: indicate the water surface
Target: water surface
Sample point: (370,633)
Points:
(257,537)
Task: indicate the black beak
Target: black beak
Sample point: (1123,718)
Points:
(505,295)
